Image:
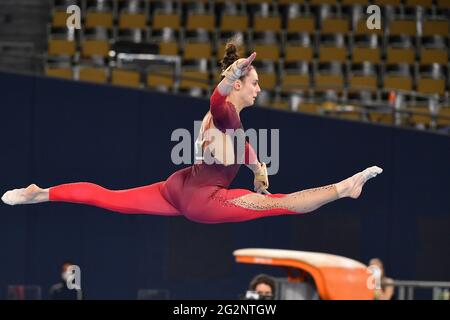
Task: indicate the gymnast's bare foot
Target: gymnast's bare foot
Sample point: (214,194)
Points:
(28,195)
(352,187)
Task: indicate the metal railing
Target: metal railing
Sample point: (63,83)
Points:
(440,289)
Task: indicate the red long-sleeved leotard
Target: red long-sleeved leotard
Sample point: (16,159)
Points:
(199,192)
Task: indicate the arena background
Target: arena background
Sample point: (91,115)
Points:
(58,130)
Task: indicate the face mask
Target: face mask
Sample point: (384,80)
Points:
(65,276)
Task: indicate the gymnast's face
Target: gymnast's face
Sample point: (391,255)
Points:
(248,88)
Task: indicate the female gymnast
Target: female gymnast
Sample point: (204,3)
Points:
(200,192)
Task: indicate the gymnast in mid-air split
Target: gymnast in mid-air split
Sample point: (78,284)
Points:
(201,192)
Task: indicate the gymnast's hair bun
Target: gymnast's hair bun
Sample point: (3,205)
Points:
(231,51)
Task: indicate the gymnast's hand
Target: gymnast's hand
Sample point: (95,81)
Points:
(244,64)
(261,181)
(238,68)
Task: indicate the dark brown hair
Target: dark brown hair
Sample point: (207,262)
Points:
(231,54)
(232,48)
(262,278)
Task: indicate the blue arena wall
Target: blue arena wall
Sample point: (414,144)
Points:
(56,131)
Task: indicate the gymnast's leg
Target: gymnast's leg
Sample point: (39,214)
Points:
(310,199)
(141,200)
(237,205)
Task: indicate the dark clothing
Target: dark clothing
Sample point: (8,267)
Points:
(59,291)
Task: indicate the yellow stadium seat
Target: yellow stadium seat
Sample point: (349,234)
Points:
(231,1)
(400,55)
(200,21)
(430,55)
(361,54)
(65,73)
(161,21)
(301,24)
(128,78)
(320,2)
(99,19)
(95,48)
(421,3)
(329,81)
(196,50)
(61,47)
(161,77)
(194,79)
(335,25)
(436,27)
(353,2)
(381,117)
(267,51)
(295,53)
(267,24)
(363,83)
(284,2)
(395,3)
(59,19)
(308,107)
(293,82)
(267,81)
(97,75)
(168,48)
(443,4)
(132,21)
(406,27)
(444,112)
(397,82)
(234,23)
(256,1)
(419,115)
(280,104)
(328,54)
(428,85)
(193,1)
(348,115)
